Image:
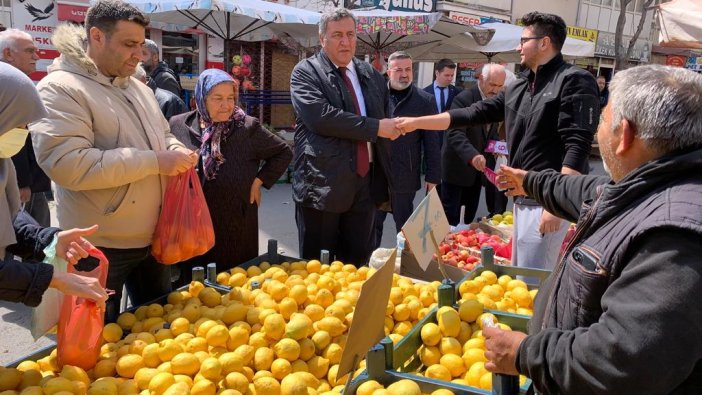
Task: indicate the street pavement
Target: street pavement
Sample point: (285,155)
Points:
(276,221)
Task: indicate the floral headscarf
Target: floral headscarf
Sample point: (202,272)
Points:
(214,132)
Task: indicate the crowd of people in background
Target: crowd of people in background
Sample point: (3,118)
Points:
(108,127)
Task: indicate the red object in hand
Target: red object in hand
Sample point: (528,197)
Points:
(81,322)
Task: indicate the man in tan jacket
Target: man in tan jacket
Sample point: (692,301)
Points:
(108,147)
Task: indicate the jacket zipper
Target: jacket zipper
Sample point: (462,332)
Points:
(564,258)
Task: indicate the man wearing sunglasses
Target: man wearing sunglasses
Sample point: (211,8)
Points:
(550,114)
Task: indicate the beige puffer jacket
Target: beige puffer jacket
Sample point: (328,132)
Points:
(98,145)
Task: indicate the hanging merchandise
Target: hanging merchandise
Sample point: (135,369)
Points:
(236,60)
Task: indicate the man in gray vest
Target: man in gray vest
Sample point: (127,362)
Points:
(620,314)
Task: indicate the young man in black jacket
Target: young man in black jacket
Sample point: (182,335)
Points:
(620,315)
(342,155)
(550,116)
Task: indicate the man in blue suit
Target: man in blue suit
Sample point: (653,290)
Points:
(442,88)
(406,159)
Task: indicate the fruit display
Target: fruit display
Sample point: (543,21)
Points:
(462,249)
(401,387)
(499,293)
(280,330)
(504,220)
(453,347)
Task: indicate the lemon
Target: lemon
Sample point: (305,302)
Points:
(293,385)
(442,391)
(231,362)
(160,383)
(10,379)
(274,326)
(368,387)
(51,386)
(485,381)
(211,369)
(126,321)
(129,364)
(263,358)
(236,381)
(238,335)
(178,389)
(32,390)
(404,387)
(267,385)
(454,364)
(203,387)
(449,321)
(143,376)
(185,363)
(179,326)
(281,368)
(473,343)
(287,307)
(474,374)
(431,334)
(469,310)
(74,373)
(450,345)
(165,351)
(522,297)
(516,284)
(112,332)
(106,387)
(30,378)
(288,349)
(439,372)
(314,311)
(429,355)
(332,325)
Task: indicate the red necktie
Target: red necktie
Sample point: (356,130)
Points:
(362,157)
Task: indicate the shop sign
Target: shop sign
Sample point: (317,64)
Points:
(38,18)
(470,19)
(589,35)
(406,5)
(605,47)
(676,61)
(74,12)
(694,63)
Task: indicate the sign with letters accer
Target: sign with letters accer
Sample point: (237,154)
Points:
(427,221)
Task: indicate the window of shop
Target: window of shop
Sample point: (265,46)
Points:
(180,52)
(6,13)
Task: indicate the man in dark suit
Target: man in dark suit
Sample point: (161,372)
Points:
(342,155)
(464,158)
(408,100)
(442,88)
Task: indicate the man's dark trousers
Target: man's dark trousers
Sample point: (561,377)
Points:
(402,208)
(454,196)
(348,235)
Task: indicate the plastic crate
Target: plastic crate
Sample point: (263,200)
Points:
(387,364)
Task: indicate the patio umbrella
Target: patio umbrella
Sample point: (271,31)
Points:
(681,24)
(471,46)
(246,20)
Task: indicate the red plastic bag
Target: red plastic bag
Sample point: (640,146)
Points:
(184,229)
(81,322)
(505,251)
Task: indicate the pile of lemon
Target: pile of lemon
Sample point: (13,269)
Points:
(503,293)
(453,349)
(505,219)
(284,337)
(402,387)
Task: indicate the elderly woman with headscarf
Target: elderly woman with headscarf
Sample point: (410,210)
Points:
(237,157)
(25,282)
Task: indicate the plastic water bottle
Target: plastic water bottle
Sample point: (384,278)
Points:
(400,247)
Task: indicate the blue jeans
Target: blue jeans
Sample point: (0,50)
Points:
(136,269)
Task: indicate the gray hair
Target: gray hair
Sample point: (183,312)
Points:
(140,73)
(663,103)
(510,78)
(8,39)
(151,46)
(488,68)
(399,55)
(333,16)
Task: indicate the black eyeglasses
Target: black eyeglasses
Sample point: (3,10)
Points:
(523,40)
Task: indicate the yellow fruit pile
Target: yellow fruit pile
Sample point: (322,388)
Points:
(503,293)
(505,219)
(453,349)
(284,338)
(402,387)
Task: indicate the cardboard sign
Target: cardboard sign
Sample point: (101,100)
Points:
(368,325)
(497,147)
(428,217)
